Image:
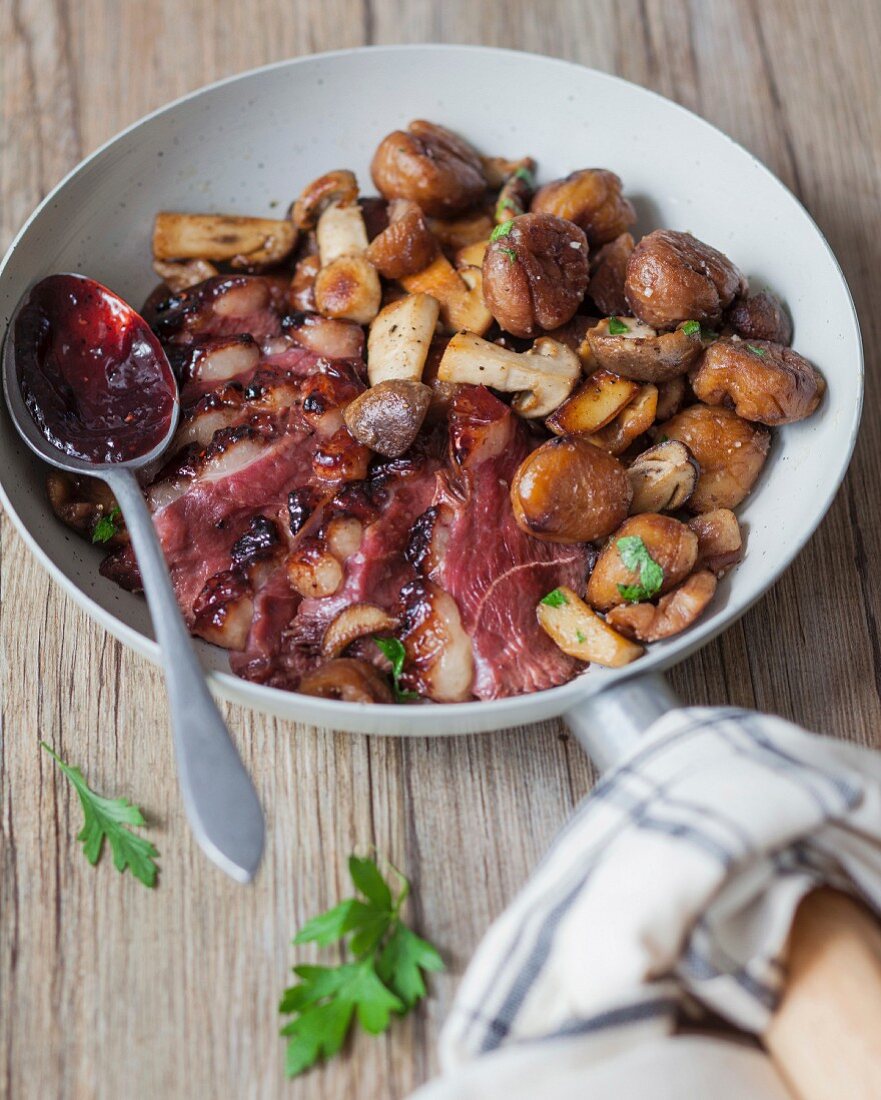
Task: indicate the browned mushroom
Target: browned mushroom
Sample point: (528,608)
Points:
(634,350)
(339,186)
(730,452)
(632,421)
(673,613)
(535,273)
(761,317)
(673,277)
(247,243)
(568,490)
(182,274)
(671,397)
(431,166)
(719,540)
(387,417)
(301,292)
(580,632)
(407,246)
(82,503)
(669,543)
(767,383)
(348,680)
(355,621)
(662,478)
(596,402)
(608,270)
(592,199)
(454,234)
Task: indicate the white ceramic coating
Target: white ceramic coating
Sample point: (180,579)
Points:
(247,145)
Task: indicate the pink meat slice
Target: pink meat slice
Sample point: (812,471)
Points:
(495,572)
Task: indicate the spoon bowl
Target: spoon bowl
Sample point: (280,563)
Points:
(54,388)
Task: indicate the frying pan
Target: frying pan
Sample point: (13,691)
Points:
(247,145)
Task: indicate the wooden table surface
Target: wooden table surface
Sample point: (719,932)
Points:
(108,989)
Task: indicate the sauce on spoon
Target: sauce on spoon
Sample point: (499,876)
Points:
(92,374)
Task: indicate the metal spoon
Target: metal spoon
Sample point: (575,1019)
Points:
(219,799)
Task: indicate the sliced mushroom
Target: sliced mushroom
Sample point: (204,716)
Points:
(387,417)
(516,191)
(338,187)
(400,338)
(301,292)
(581,633)
(406,246)
(348,680)
(535,273)
(459,294)
(353,622)
(669,543)
(592,199)
(594,404)
(182,274)
(347,286)
(766,383)
(719,540)
(641,353)
(730,452)
(241,242)
(472,255)
(673,613)
(634,420)
(662,478)
(568,490)
(542,378)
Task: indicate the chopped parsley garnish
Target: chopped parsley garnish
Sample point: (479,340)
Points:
(691,328)
(757,351)
(635,556)
(394,650)
(525,175)
(511,254)
(557,598)
(108,817)
(579,637)
(384,972)
(616,327)
(501,230)
(106,527)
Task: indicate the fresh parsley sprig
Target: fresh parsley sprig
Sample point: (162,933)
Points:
(384,976)
(501,230)
(616,327)
(636,557)
(394,650)
(107,526)
(108,817)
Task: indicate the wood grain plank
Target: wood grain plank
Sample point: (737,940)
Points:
(108,988)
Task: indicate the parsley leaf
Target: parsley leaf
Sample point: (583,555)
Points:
(107,817)
(580,637)
(757,351)
(511,254)
(106,527)
(691,328)
(635,556)
(557,598)
(501,230)
(385,974)
(394,650)
(616,327)
(524,174)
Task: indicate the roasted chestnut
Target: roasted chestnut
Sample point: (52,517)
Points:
(592,199)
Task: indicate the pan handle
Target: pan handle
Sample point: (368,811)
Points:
(608,724)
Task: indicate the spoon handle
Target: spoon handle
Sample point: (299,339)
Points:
(219,798)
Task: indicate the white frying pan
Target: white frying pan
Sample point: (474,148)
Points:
(248,145)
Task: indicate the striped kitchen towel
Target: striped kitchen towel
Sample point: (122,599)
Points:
(670,892)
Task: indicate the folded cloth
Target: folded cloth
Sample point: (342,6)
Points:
(671,891)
